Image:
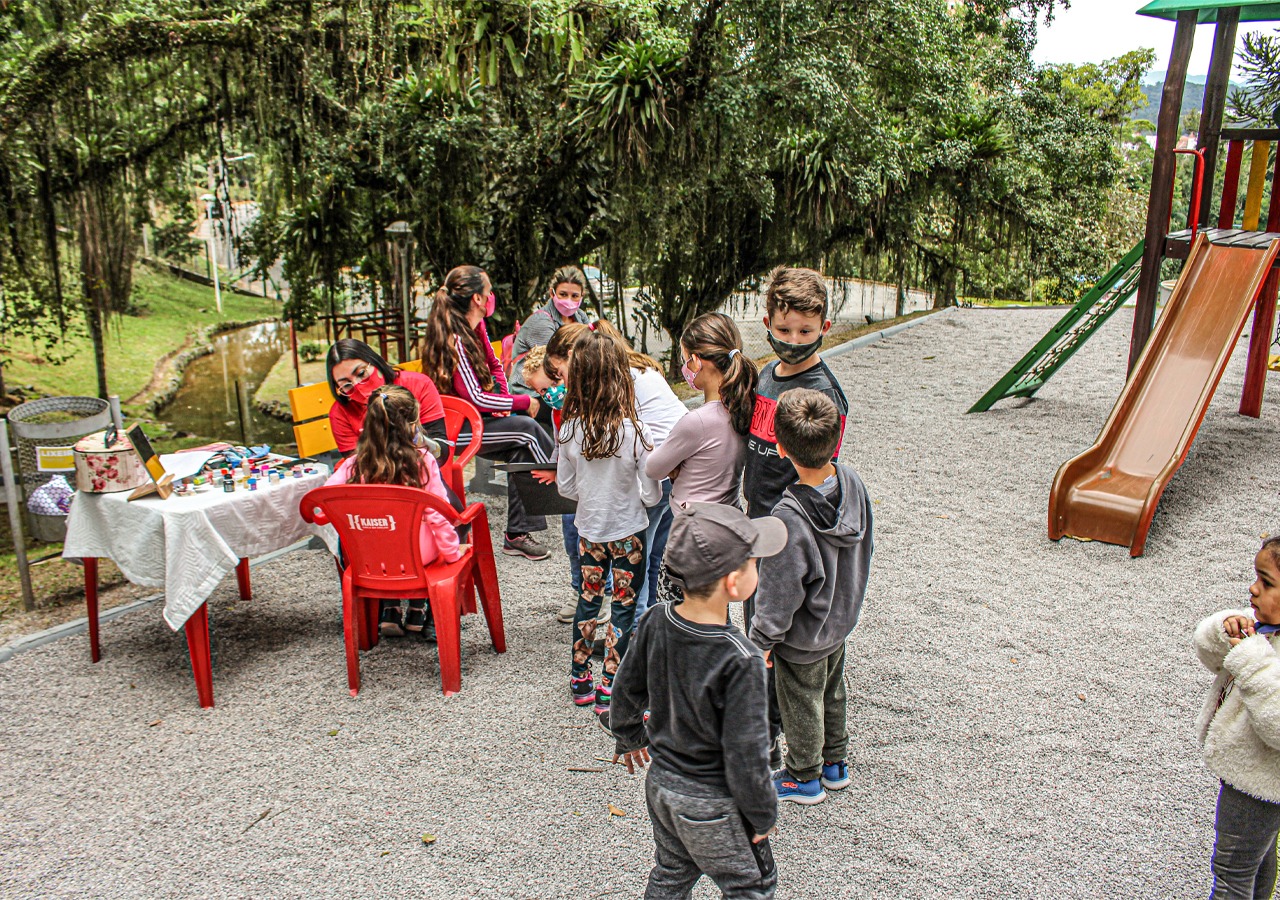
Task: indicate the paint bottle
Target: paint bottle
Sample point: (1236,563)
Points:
(228,484)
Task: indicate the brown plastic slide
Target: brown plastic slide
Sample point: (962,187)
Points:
(1109,492)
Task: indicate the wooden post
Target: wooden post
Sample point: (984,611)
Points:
(1264,320)
(1215,100)
(1160,201)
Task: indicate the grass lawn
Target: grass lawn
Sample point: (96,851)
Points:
(170,310)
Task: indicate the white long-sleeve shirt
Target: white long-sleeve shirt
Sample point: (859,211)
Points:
(612,493)
(657,405)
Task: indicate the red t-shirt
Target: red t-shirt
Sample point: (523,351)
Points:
(346,419)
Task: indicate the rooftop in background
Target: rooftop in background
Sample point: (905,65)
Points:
(1250,10)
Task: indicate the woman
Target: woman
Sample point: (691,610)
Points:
(564,306)
(456,353)
(355,371)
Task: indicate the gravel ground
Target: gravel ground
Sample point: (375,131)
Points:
(1022,711)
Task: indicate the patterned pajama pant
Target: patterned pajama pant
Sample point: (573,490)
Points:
(625,558)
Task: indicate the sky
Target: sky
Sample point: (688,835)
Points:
(1094,30)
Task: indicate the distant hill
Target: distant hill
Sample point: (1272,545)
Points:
(1192,98)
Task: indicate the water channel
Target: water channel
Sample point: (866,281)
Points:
(206,403)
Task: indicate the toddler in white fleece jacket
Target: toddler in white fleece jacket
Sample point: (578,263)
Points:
(1239,732)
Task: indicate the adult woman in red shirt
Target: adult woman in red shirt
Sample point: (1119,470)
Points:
(355,371)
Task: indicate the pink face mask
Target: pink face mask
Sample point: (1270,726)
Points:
(566,307)
(490,305)
(364,390)
(689,375)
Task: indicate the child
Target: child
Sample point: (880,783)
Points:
(603,448)
(1239,730)
(705,453)
(393,450)
(796,306)
(810,595)
(659,409)
(534,377)
(709,794)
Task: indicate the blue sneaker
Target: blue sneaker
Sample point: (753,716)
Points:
(835,776)
(805,792)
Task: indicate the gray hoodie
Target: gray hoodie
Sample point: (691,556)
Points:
(811,593)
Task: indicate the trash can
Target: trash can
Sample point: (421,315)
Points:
(46,430)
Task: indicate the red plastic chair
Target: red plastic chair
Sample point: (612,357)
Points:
(378,526)
(507,357)
(458,412)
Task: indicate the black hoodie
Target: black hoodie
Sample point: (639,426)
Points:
(811,593)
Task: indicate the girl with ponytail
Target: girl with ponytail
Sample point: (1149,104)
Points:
(706,451)
(457,356)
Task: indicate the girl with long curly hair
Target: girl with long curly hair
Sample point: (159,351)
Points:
(457,356)
(393,449)
(603,448)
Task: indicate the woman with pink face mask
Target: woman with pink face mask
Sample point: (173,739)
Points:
(563,306)
(355,371)
(457,355)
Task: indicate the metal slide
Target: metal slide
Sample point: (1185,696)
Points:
(1109,492)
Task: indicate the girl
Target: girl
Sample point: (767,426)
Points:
(659,409)
(1240,733)
(393,450)
(603,448)
(706,451)
(456,353)
(355,371)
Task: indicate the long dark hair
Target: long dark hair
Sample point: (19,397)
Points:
(350,348)
(598,396)
(387,452)
(712,338)
(447,320)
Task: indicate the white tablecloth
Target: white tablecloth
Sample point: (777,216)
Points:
(187,544)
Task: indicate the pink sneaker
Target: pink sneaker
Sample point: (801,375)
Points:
(583,690)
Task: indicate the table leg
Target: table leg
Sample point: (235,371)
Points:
(197,629)
(242,579)
(91,604)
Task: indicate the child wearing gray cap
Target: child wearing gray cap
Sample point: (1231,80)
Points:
(811,594)
(709,792)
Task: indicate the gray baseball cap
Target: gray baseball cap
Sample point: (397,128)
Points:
(710,540)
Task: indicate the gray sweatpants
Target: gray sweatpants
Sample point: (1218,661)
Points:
(698,831)
(811,698)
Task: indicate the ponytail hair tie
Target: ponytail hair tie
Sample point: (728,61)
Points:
(734,352)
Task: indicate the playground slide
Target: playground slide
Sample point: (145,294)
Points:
(1109,492)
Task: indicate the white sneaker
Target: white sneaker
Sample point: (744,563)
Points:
(565,616)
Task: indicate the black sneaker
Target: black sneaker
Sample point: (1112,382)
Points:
(524,545)
(389,620)
(416,617)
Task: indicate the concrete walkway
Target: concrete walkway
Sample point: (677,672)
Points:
(1022,711)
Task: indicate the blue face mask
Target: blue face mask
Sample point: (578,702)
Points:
(554,396)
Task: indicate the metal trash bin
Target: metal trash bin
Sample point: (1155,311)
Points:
(46,430)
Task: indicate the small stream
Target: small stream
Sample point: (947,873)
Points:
(205,405)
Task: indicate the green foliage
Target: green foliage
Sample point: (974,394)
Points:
(689,147)
(310,351)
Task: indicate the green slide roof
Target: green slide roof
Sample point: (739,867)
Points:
(1250,10)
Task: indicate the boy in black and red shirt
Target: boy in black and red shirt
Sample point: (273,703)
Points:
(796,319)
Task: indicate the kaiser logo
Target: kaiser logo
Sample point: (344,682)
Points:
(362,523)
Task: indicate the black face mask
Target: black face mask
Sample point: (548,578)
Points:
(793,354)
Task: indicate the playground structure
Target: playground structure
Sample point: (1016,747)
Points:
(1110,492)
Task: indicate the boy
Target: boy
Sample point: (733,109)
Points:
(796,320)
(810,596)
(709,791)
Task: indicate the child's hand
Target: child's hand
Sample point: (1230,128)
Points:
(544,476)
(632,759)
(768,659)
(1237,628)
(764,837)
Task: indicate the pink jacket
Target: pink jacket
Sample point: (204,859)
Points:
(437,538)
